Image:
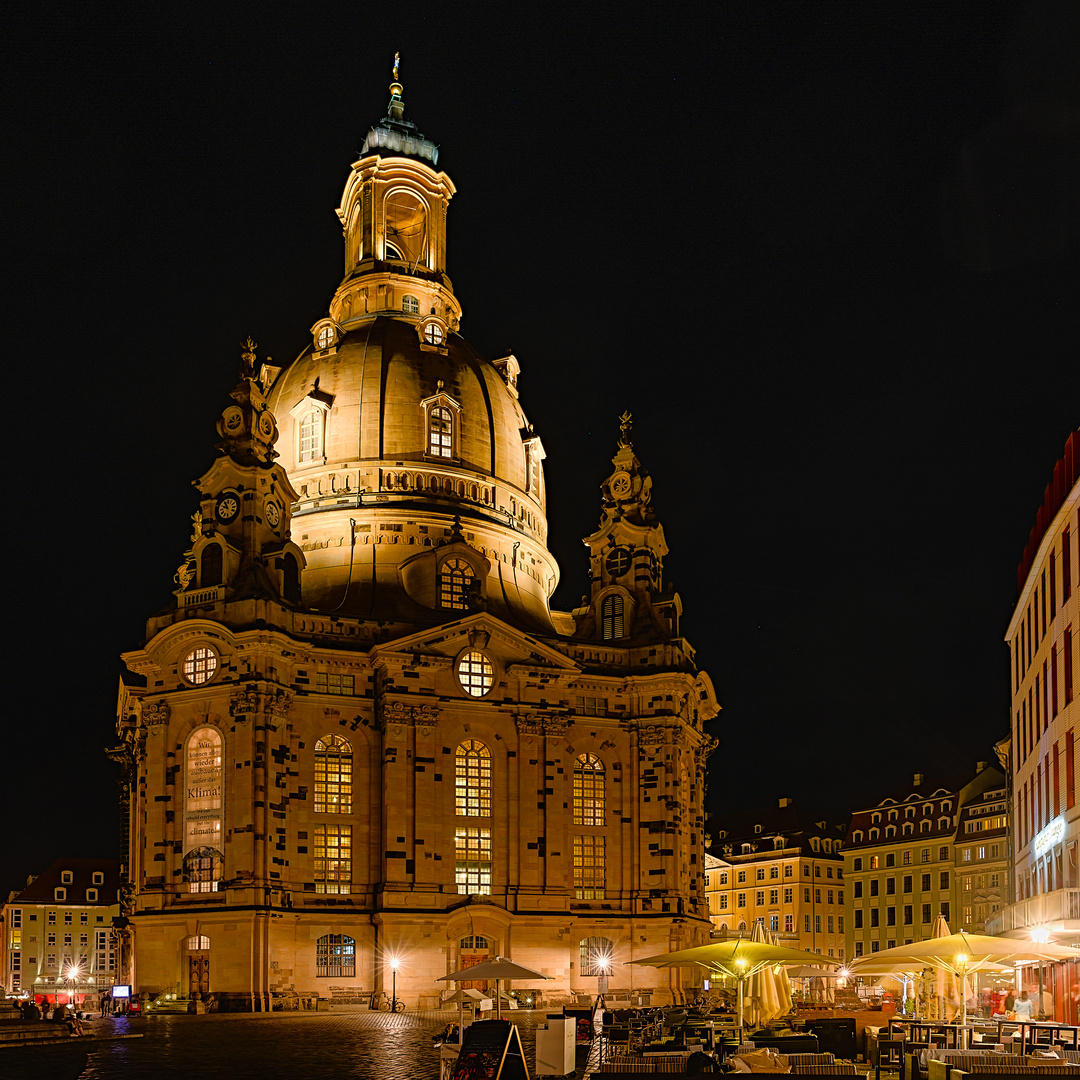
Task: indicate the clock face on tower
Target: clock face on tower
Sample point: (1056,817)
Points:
(273,514)
(228,506)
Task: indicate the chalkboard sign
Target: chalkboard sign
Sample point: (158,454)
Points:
(491,1051)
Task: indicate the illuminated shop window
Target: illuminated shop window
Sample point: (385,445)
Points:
(333,858)
(472,867)
(588,790)
(199,666)
(589,867)
(203,869)
(455,576)
(333,775)
(472,780)
(335,957)
(476,673)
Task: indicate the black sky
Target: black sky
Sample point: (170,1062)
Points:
(826,253)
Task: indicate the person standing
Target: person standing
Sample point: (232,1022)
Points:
(1024,1006)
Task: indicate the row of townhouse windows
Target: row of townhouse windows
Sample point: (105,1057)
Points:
(907,915)
(1040,797)
(982,851)
(1045,597)
(789,897)
(907,858)
(773,872)
(906,883)
(907,828)
(1043,701)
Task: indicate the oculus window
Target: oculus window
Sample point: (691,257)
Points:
(199,666)
(475,673)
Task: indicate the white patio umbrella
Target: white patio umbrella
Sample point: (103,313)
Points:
(465,994)
(500,967)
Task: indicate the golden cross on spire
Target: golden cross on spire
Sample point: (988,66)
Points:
(626,425)
(397,63)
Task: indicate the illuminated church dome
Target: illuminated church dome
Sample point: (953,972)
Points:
(419,478)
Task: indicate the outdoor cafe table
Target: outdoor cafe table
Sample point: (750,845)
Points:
(1029,1032)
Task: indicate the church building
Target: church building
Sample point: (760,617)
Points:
(359,736)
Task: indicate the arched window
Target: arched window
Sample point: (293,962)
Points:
(202,869)
(588,790)
(474,943)
(440,432)
(333,775)
(198,943)
(612,617)
(311,435)
(210,570)
(472,783)
(335,957)
(455,576)
(595,954)
(406,228)
(410,305)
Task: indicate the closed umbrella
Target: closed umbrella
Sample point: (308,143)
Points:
(500,967)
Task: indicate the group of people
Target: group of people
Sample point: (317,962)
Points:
(60,1014)
(1025,1007)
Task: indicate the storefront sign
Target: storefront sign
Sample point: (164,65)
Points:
(1050,836)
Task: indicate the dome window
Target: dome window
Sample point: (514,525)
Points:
(455,577)
(325,334)
(410,305)
(433,334)
(475,673)
(441,432)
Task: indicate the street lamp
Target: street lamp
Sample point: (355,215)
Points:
(73,976)
(393,996)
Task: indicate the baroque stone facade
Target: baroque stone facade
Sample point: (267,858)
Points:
(360,733)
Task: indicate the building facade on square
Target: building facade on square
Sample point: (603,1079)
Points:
(360,733)
(775,865)
(58,936)
(900,859)
(981,859)
(1040,750)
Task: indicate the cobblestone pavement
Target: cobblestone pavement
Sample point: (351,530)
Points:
(290,1046)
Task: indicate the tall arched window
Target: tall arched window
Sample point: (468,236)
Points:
(612,617)
(333,775)
(455,576)
(440,432)
(311,435)
(335,957)
(588,790)
(202,869)
(595,956)
(406,228)
(472,784)
(210,570)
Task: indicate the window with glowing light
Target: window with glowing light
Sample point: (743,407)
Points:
(333,775)
(335,957)
(472,861)
(476,674)
(433,334)
(311,435)
(590,867)
(455,577)
(333,859)
(203,869)
(199,665)
(589,793)
(198,943)
(440,431)
(595,956)
(472,780)
(410,305)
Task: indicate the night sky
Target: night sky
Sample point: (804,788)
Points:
(826,253)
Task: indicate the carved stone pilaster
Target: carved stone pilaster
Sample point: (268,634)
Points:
(278,703)
(244,702)
(397,712)
(155,713)
(539,724)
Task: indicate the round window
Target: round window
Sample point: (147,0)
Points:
(326,337)
(199,666)
(476,673)
(433,334)
(618,561)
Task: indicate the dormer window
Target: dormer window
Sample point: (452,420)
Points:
(91,896)
(98,878)
(310,416)
(441,432)
(433,334)
(325,334)
(325,338)
(455,577)
(59,893)
(66,877)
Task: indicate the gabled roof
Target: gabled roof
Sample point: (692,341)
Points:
(42,889)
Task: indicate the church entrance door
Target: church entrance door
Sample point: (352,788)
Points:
(474,950)
(198,974)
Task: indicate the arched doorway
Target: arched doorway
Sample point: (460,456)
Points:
(473,950)
(198,965)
